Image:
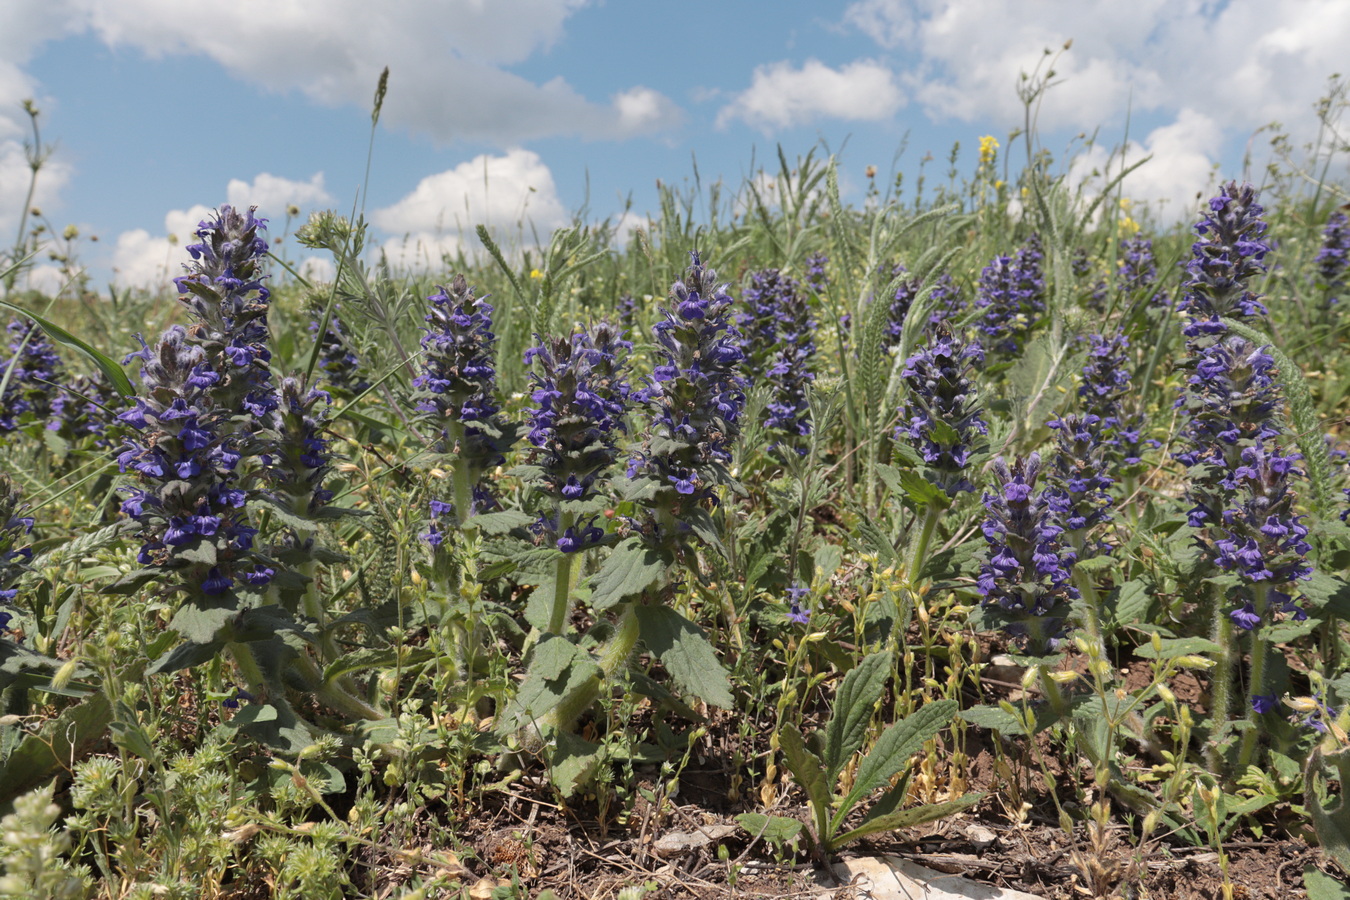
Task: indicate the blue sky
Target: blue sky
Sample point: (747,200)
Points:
(159,109)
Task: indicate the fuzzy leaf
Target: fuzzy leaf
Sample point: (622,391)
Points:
(572,762)
(1332,825)
(807,770)
(686,653)
(995,719)
(893,749)
(627,572)
(1171,648)
(773,830)
(907,818)
(502,522)
(861,689)
(558,668)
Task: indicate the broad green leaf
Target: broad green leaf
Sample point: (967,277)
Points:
(907,818)
(893,749)
(858,694)
(40,756)
(201,624)
(572,761)
(502,522)
(1171,648)
(686,653)
(558,668)
(1321,886)
(629,570)
(185,656)
(995,719)
(773,830)
(809,772)
(1128,603)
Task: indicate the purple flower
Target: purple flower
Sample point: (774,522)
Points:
(694,400)
(941,417)
(1027,573)
(581,397)
(1012,296)
(798,611)
(780,349)
(1264,703)
(35,372)
(458,379)
(1229,253)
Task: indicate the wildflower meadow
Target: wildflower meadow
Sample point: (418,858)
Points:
(993,524)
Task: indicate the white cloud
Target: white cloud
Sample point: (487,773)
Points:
(1242,63)
(1181,165)
(272,194)
(513,195)
(317,269)
(15,175)
(780,96)
(445,58)
(143,260)
(46,279)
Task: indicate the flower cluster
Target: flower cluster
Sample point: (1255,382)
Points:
(206,390)
(84,409)
(224,291)
(1012,296)
(817,279)
(1138,271)
(1241,478)
(580,395)
(14,560)
(1230,252)
(945,301)
(1027,575)
(1079,474)
(340,364)
(941,415)
(456,388)
(1333,257)
(298,459)
(780,348)
(695,396)
(898,311)
(35,374)
(1103,393)
(190,503)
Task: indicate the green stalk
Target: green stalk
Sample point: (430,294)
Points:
(918,554)
(1052,692)
(248,668)
(1260,646)
(1221,699)
(612,656)
(333,694)
(461,477)
(562,582)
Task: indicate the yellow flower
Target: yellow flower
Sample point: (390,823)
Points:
(535,273)
(1129,226)
(988,149)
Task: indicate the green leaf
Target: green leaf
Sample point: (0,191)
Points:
(893,749)
(201,624)
(1321,886)
(558,668)
(1171,648)
(773,830)
(115,374)
(995,719)
(67,738)
(686,653)
(630,570)
(1331,824)
(1127,603)
(502,522)
(572,761)
(907,818)
(185,656)
(859,693)
(808,771)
